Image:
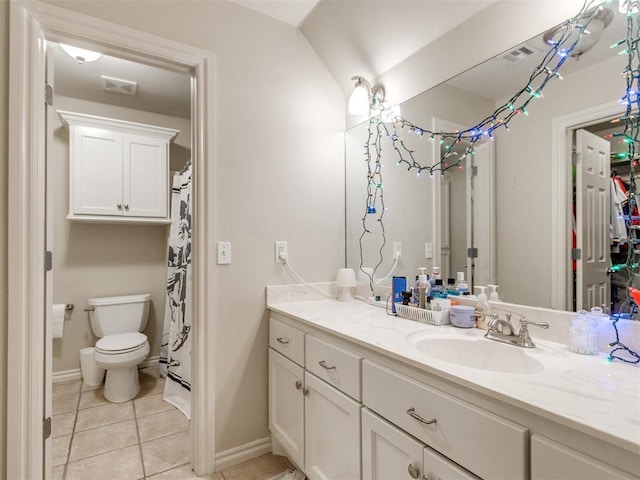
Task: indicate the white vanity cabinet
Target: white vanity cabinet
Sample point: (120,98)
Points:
(317,424)
(551,461)
(118,170)
(388,453)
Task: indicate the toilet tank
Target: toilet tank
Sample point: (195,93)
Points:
(123,314)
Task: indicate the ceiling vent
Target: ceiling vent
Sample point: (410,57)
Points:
(519,53)
(119,85)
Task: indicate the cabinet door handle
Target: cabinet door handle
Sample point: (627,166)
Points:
(119,206)
(412,413)
(324,365)
(283,341)
(305,391)
(424,477)
(413,471)
(298,384)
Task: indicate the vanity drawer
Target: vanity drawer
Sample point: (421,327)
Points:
(466,434)
(287,340)
(334,365)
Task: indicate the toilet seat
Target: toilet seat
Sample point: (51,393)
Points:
(121,343)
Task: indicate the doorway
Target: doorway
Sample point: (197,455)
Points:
(32,23)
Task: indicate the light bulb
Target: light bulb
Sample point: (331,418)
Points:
(80,54)
(359,101)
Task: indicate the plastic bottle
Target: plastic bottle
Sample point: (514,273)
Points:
(423,288)
(461,285)
(493,296)
(451,287)
(482,309)
(416,287)
(438,291)
(434,277)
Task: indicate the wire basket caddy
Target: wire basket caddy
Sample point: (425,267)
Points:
(434,317)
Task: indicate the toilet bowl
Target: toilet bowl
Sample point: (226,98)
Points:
(118,322)
(120,356)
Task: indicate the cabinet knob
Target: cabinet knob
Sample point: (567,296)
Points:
(413,471)
(305,391)
(424,477)
(298,384)
(119,206)
(126,206)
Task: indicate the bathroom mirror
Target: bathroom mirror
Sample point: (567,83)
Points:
(524,196)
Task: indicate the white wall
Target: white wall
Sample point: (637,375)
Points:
(523,181)
(279,149)
(99,260)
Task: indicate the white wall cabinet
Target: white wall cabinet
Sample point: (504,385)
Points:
(118,171)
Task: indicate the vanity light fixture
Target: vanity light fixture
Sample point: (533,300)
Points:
(80,54)
(589,36)
(365,98)
(345,279)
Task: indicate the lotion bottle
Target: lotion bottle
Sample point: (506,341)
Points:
(493,296)
(416,289)
(482,309)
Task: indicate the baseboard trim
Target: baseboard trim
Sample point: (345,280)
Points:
(76,373)
(240,454)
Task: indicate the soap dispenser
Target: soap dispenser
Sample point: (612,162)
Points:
(493,296)
(483,310)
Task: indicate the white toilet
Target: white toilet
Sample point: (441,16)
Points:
(118,322)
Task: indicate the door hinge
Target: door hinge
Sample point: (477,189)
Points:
(575,158)
(474,171)
(48,261)
(46,428)
(576,254)
(48,94)
(472,252)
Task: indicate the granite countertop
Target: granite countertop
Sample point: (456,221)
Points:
(584,392)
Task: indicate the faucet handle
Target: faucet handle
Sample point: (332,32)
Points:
(524,322)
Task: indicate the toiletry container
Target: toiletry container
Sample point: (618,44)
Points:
(423,289)
(438,291)
(462,316)
(583,331)
(451,287)
(482,309)
(435,276)
(493,296)
(416,287)
(461,285)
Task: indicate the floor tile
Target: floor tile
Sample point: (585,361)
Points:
(57,473)
(103,439)
(103,415)
(150,386)
(151,404)
(123,464)
(92,398)
(65,403)
(88,388)
(65,388)
(60,450)
(259,468)
(181,473)
(166,453)
(62,424)
(162,424)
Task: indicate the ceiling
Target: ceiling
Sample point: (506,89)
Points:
(351,37)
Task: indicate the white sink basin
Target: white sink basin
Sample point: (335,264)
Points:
(477,352)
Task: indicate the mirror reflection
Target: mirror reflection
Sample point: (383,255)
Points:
(514,214)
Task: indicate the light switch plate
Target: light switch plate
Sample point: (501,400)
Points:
(428,250)
(224,253)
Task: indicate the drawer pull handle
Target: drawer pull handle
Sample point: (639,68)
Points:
(283,341)
(413,471)
(298,384)
(324,365)
(412,413)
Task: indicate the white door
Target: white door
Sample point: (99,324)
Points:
(592,220)
(96,157)
(286,405)
(145,176)
(332,432)
(387,452)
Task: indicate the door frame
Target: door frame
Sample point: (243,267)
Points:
(30,22)
(561,198)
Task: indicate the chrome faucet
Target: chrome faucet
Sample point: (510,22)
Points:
(502,331)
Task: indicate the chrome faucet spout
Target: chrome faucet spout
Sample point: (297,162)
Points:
(502,331)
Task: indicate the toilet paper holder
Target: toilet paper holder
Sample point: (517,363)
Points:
(69,306)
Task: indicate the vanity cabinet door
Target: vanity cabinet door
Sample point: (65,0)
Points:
(552,461)
(332,432)
(387,452)
(286,405)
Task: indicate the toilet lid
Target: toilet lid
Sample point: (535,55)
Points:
(121,343)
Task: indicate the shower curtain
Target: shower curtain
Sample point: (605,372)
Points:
(175,350)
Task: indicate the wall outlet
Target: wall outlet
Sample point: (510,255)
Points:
(428,250)
(224,253)
(397,250)
(281,252)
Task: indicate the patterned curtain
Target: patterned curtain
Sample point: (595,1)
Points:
(175,351)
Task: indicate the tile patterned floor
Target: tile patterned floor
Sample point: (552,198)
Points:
(145,438)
